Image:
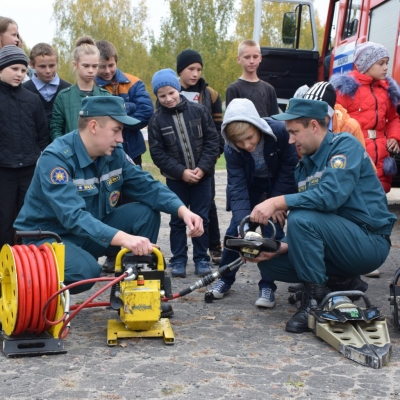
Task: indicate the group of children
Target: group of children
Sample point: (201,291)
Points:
(186,132)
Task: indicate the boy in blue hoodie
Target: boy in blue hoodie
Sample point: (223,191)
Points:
(260,163)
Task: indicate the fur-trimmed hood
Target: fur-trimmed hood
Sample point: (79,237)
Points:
(348,83)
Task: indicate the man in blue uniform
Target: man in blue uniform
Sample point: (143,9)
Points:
(76,186)
(339,224)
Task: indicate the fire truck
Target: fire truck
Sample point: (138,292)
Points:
(292,54)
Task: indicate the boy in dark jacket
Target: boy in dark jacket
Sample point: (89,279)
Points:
(260,163)
(45,82)
(183,143)
(23,136)
(189,66)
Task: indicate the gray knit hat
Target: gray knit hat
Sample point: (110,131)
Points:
(367,54)
(10,55)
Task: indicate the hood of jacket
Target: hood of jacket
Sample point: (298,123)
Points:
(245,111)
(348,83)
(118,77)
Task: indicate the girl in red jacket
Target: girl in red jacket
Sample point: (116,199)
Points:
(371,97)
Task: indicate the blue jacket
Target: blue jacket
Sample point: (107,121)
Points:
(281,159)
(138,105)
(340,179)
(71,194)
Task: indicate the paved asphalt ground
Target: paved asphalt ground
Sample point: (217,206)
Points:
(224,350)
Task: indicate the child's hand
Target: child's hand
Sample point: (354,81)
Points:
(392,145)
(189,176)
(199,172)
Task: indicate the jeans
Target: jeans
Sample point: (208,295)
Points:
(15,183)
(214,236)
(197,198)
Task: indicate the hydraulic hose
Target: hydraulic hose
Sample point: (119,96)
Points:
(206,280)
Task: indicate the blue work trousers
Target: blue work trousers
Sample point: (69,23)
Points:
(81,253)
(197,198)
(257,194)
(323,244)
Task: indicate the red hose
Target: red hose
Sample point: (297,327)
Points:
(87,303)
(53,283)
(25,314)
(21,311)
(37,281)
(42,274)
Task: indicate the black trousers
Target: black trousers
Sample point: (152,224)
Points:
(14,183)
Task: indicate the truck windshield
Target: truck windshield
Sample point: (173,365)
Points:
(286,25)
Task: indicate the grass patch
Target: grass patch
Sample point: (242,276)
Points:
(148,164)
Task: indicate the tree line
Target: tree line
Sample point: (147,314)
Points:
(214,28)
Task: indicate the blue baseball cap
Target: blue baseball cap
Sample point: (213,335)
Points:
(106,106)
(298,108)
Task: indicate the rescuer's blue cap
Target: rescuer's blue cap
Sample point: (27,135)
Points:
(298,108)
(106,106)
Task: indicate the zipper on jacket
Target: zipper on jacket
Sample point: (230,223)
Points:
(376,122)
(376,106)
(100,191)
(192,164)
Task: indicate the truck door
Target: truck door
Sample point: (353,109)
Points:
(384,20)
(286,32)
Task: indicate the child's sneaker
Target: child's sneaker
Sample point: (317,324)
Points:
(178,270)
(266,299)
(216,255)
(202,268)
(219,289)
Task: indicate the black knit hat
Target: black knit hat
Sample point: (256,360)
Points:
(187,57)
(10,55)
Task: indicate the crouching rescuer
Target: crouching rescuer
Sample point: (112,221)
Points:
(75,190)
(339,225)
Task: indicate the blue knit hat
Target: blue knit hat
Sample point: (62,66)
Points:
(165,77)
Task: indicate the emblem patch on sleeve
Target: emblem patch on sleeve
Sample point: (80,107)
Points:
(58,175)
(114,196)
(338,161)
(129,160)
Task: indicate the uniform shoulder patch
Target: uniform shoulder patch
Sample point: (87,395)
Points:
(58,175)
(338,161)
(129,160)
(114,196)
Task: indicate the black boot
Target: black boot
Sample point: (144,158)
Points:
(166,310)
(299,322)
(295,287)
(337,283)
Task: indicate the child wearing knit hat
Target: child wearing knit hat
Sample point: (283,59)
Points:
(23,135)
(371,97)
(189,66)
(183,144)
